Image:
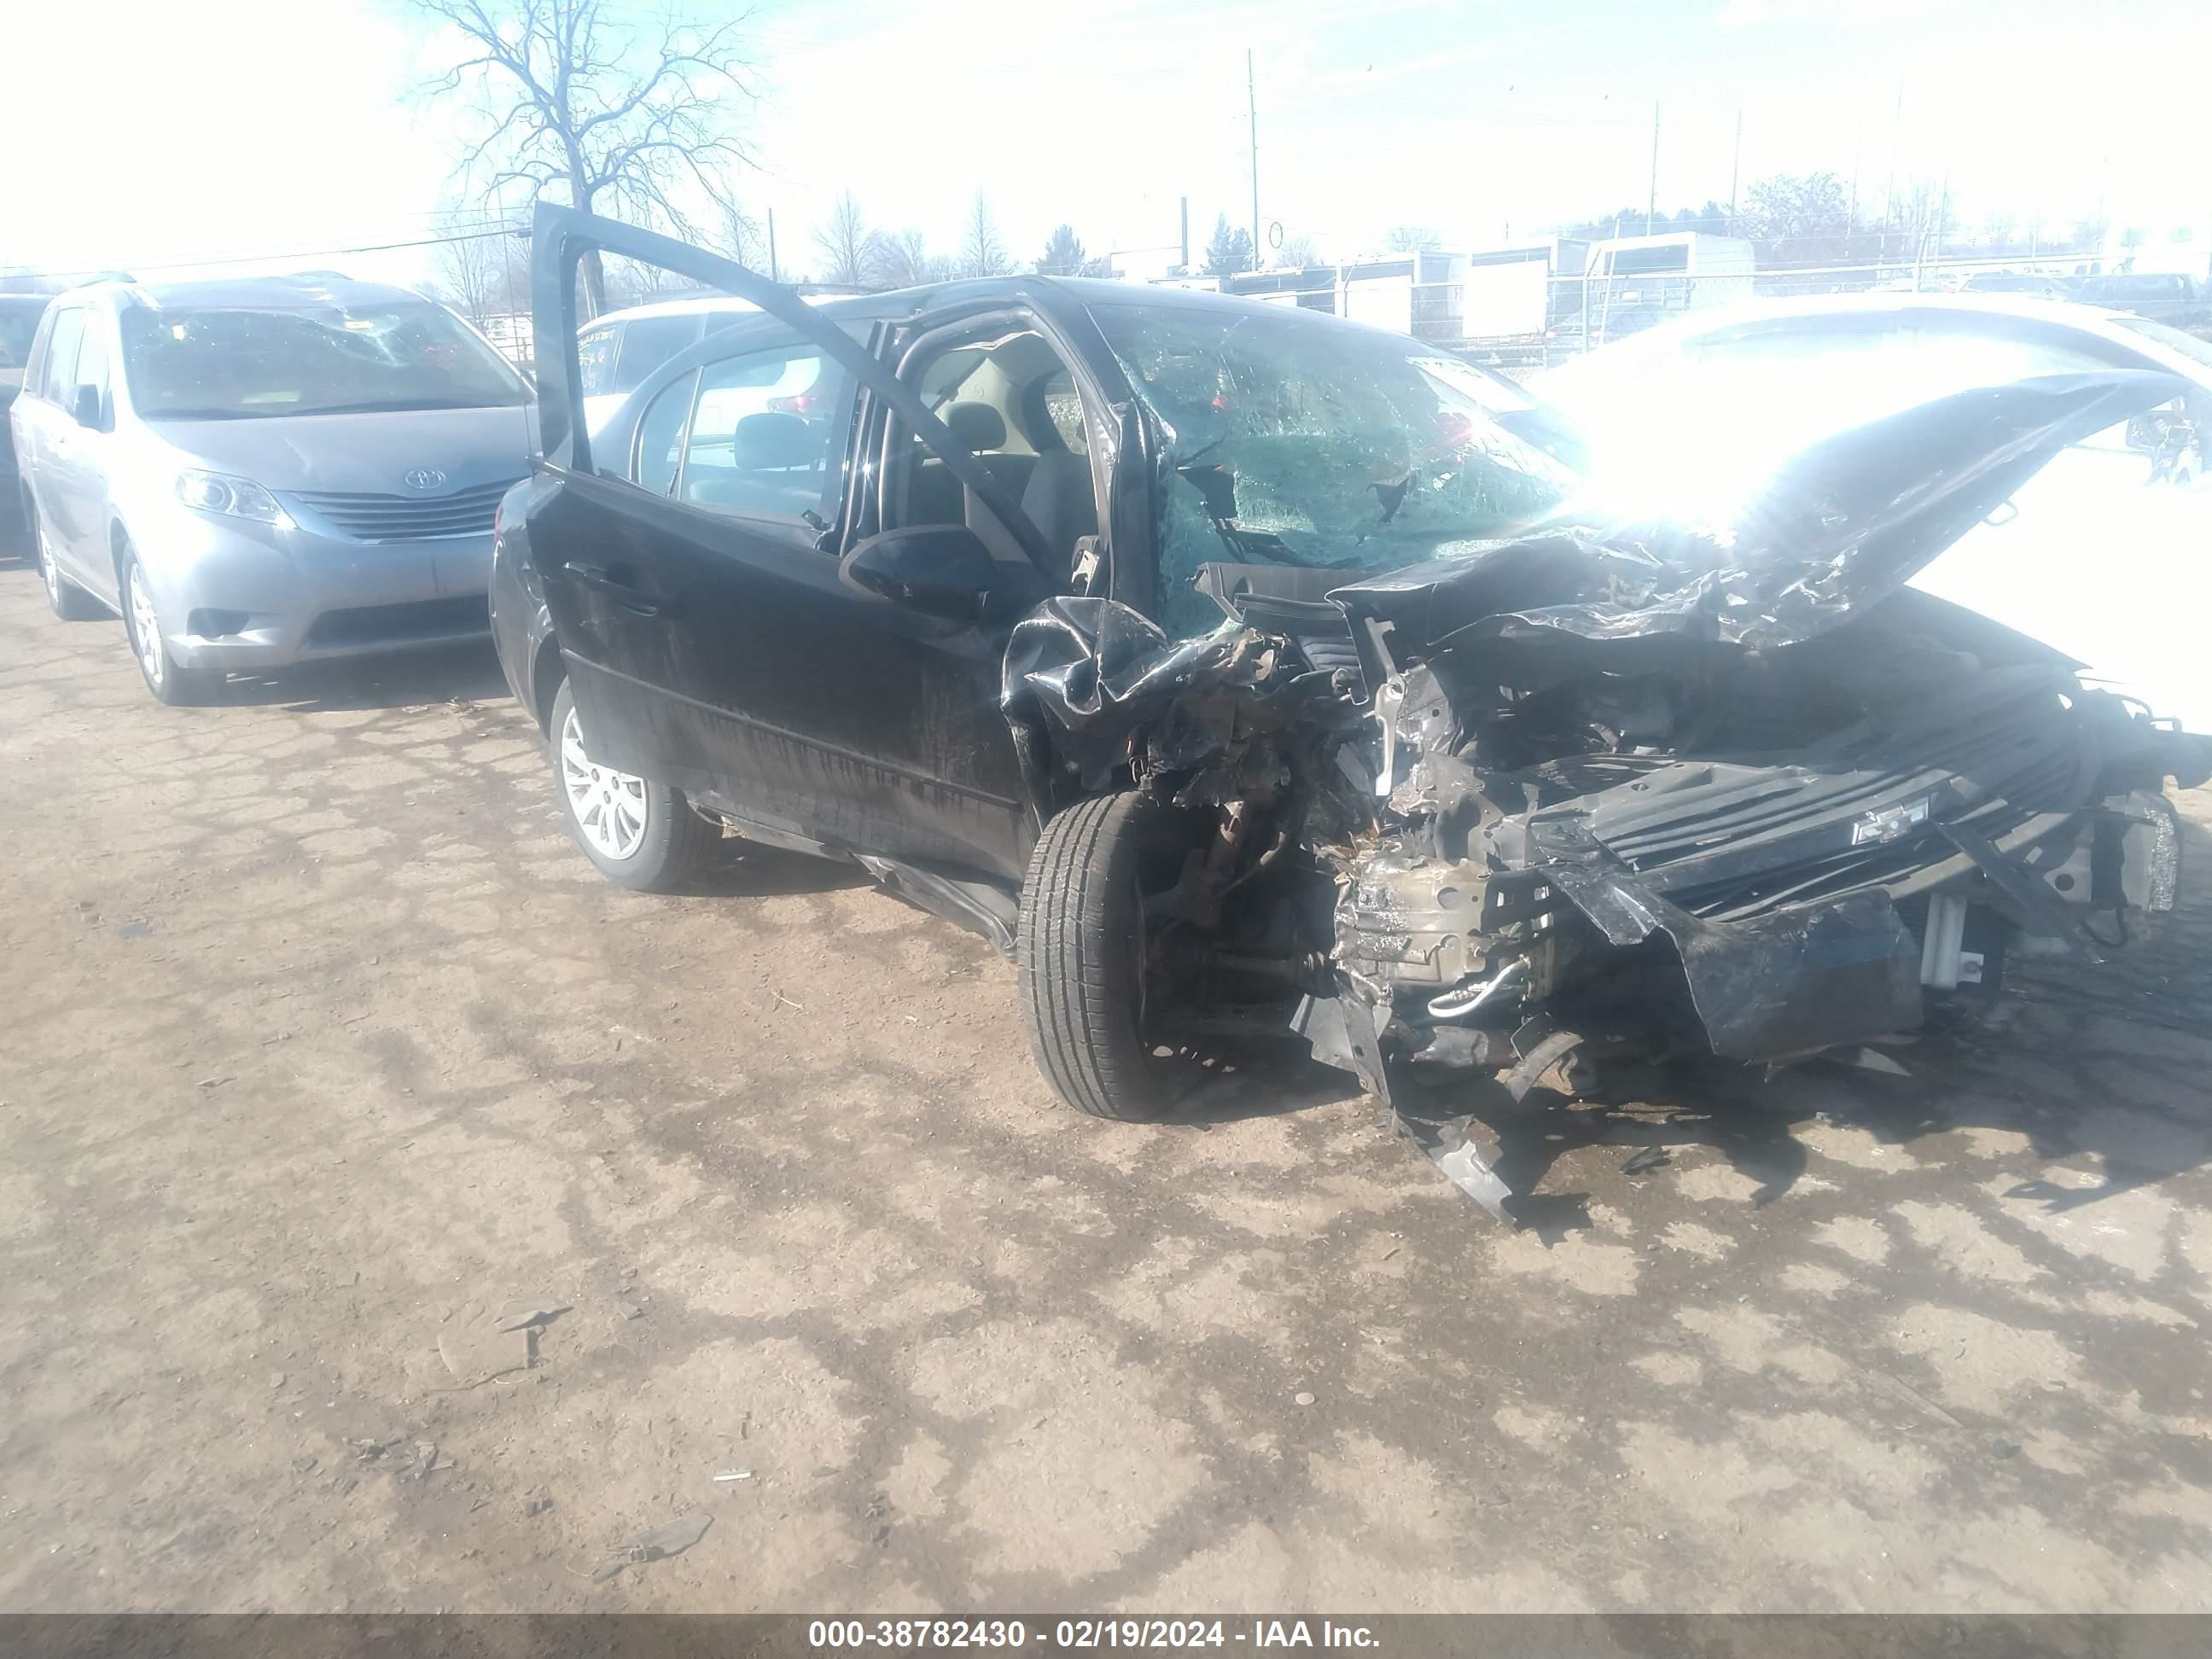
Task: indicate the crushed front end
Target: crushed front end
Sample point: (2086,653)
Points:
(1632,788)
(1758,854)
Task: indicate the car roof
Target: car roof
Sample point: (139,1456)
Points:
(314,288)
(715,305)
(2044,307)
(890,305)
(708,305)
(2030,308)
(1649,348)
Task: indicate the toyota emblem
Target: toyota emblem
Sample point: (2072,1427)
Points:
(424,477)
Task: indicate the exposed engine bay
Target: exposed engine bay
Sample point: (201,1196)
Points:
(1730,791)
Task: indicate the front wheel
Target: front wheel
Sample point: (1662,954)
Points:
(170,681)
(1080,953)
(638,833)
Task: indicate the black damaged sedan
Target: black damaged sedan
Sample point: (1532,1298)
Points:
(1242,671)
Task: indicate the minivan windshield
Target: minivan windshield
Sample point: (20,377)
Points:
(222,362)
(1303,442)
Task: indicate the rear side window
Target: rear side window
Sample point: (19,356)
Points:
(59,379)
(767,433)
(595,359)
(647,343)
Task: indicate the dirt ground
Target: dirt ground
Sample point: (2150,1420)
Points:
(322,1041)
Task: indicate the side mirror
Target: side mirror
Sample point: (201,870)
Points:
(85,406)
(940,570)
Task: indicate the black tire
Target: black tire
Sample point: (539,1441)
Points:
(169,680)
(64,597)
(1079,954)
(675,840)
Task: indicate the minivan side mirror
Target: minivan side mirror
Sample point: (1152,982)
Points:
(940,570)
(85,406)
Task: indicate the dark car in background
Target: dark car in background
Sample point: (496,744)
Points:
(1241,670)
(19,321)
(2016,281)
(2177,301)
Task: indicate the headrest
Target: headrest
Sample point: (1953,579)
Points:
(773,440)
(979,426)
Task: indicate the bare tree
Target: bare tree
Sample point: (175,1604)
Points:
(1297,252)
(843,243)
(1798,219)
(743,239)
(903,259)
(580,100)
(1412,238)
(981,253)
(470,275)
(1918,217)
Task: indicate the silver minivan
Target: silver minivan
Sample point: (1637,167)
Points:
(259,472)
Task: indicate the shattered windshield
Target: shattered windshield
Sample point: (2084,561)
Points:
(1303,442)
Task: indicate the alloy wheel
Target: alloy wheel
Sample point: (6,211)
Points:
(610,807)
(145,626)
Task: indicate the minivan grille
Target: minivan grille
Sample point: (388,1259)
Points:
(407,518)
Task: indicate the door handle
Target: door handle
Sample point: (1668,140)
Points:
(633,599)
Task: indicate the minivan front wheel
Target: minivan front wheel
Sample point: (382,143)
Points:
(170,681)
(638,833)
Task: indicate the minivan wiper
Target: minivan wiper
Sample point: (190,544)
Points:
(205,414)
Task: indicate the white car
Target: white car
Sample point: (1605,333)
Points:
(619,351)
(2106,554)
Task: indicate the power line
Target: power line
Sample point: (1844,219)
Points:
(296,254)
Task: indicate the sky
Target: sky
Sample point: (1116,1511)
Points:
(287,128)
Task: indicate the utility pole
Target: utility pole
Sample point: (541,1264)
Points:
(1858,151)
(1652,205)
(1186,235)
(1735,172)
(1252,113)
(772,275)
(1889,193)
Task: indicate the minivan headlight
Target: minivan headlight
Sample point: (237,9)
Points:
(240,498)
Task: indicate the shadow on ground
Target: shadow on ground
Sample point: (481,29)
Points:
(460,673)
(745,869)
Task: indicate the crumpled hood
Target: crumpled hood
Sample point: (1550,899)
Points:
(1839,527)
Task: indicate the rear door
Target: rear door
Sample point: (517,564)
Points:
(55,434)
(691,574)
(79,467)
